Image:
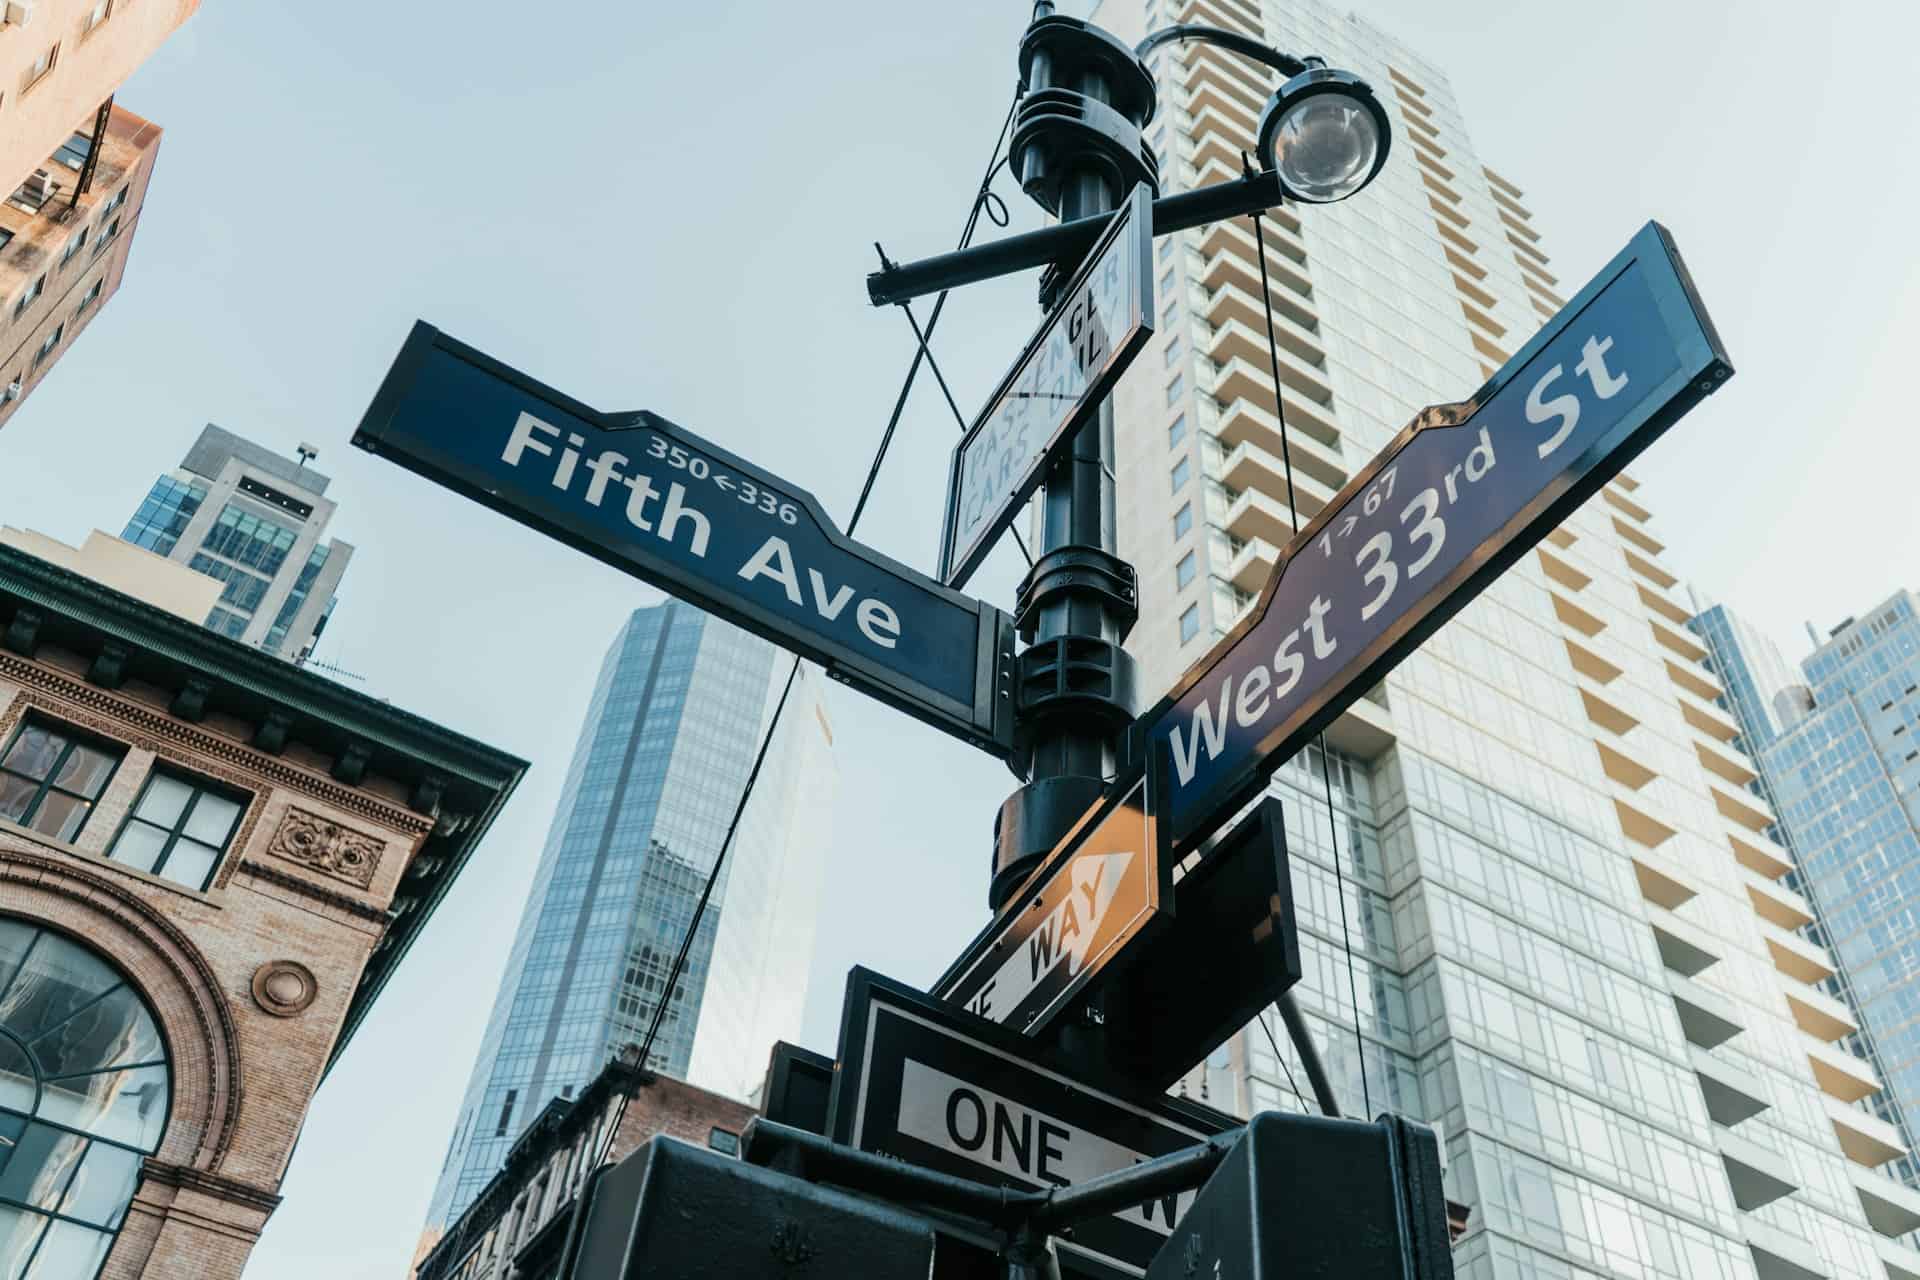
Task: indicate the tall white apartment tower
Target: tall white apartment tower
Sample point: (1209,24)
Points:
(1571,949)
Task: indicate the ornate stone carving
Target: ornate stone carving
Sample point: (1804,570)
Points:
(313,841)
(284,987)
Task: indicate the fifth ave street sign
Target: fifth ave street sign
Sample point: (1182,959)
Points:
(1460,495)
(670,508)
(1059,379)
(1076,912)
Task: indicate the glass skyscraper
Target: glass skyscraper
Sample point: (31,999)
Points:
(254,521)
(1752,671)
(670,735)
(1843,768)
(1572,952)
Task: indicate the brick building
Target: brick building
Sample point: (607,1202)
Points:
(210,863)
(60,59)
(65,234)
(516,1227)
(75,168)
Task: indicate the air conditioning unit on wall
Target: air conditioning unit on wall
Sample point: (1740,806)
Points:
(10,393)
(17,12)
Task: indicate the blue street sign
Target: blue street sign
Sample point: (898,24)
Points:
(670,508)
(1461,494)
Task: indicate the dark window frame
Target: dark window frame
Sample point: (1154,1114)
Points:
(201,785)
(31,296)
(51,344)
(79,152)
(75,737)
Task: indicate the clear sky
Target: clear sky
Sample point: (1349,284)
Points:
(674,207)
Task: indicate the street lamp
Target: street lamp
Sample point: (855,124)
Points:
(1324,133)
(1323,137)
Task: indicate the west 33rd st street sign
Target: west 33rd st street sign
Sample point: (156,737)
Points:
(1461,494)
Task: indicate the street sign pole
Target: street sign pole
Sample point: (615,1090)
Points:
(1074,692)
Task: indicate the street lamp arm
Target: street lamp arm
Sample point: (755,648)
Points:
(1246,46)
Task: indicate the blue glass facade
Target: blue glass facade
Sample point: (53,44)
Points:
(1846,782)
(1750,669)
(253,521)
(669,738)
(163,516)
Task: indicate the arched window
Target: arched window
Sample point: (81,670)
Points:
(84,1091)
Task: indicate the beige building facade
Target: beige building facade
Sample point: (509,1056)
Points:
(64,241)
(210,863)
(123,567)
(60,60)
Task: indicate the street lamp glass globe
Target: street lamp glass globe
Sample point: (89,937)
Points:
(1324,147)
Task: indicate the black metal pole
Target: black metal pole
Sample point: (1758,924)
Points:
(1075,684)
(1309,1055)
(1066,241)
(1128,1188)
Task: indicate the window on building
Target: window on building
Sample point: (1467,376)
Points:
(70,1148)
(74,151)
(99,13)
(1190,623)
(28,298)
(1181,470)
(1166,285)
(290,607)
(107,234)
(725,1141)
(51,776)
(1173,350)
(243,590)
(119,198)
(506,1113)
(1176,388)
(1167,317)
(51,341)
(163,517)
(179,828)
(75,243)
(227,622)
(1183,520)
(1177,431)
(37,69)
(91,296)
(250,540)
(1184,572)
(5,235)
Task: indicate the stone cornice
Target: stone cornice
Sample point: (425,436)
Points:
(122,718)
(228,662)
(211,1184)
(308,889)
